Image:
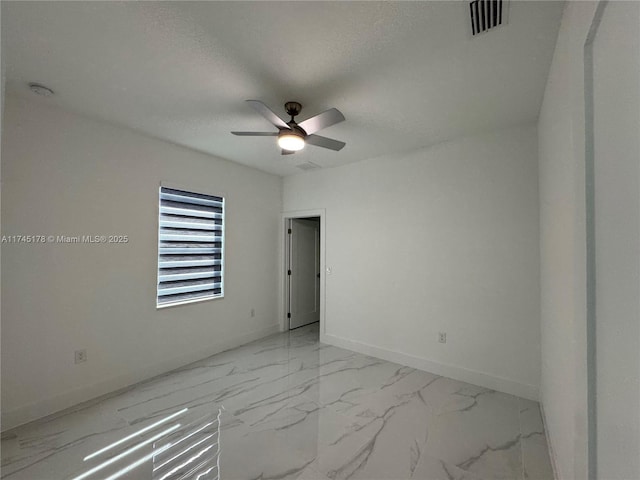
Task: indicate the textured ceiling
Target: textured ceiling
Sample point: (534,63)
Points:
(405,75)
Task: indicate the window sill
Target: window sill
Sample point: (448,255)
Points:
(186,302)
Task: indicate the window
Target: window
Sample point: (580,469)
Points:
(190,247)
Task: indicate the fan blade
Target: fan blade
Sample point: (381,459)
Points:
(322,120)
(325,142)
(287,152)
(256,134)
(267,113)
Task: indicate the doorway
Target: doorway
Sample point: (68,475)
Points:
(303,271)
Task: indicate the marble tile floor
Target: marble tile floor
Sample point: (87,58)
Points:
(293,408)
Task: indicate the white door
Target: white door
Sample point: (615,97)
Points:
(616,156)
(304,268)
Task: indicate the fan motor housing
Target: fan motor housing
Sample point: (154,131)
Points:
(294,129)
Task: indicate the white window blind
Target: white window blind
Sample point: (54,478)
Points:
(190,247)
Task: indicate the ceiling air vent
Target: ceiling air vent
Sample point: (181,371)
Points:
(486,14)
(308,166)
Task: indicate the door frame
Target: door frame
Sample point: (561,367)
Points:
(284,255)
(591,218)
(590,235)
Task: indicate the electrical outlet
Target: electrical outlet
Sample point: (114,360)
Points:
(442,337)
(253,312)
(81,356)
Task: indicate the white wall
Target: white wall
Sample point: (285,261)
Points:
(68,175)
(440,239)
(561,131)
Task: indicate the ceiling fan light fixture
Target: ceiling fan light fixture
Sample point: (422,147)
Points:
(291,141)
(292,137)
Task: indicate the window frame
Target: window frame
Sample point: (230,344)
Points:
(197,191)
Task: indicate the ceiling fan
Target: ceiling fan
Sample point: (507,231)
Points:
(293,136)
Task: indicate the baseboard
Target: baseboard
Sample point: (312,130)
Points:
(451,371)
(59,404)
(552,455)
